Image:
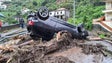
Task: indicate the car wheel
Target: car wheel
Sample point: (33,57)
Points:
(43,13)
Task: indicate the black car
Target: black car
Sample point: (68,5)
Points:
(42,25)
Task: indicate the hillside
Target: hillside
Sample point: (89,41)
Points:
(85,10)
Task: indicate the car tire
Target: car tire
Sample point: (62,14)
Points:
(43,13)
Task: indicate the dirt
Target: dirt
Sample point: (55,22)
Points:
(63,50)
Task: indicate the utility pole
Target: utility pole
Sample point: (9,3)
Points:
(74,9)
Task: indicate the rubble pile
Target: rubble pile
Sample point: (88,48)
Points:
(29,51)
(36,56)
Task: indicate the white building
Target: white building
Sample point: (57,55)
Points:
(25,10)
(2,6)
(61,13)
(108,10)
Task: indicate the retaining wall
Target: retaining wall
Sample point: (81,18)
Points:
(9,27)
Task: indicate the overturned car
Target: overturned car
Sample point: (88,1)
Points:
(41,25)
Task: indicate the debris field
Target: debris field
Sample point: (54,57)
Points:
(62,49)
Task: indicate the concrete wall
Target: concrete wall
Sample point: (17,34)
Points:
(9,27)
(97,27)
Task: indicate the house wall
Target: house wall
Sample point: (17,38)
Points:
(52,13)
(108,16)
(61,14)
(3,7)
(108,5)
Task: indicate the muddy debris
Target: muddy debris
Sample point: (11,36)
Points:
(29,51)
(91,49)
(58,59)
(36,57)
(35,54)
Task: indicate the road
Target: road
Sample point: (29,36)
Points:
(12,33)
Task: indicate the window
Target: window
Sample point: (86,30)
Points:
(61,12)
(57,16)
(57,12)
(61,17)
(50,13)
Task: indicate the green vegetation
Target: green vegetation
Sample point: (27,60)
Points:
(85,12)
(102,36)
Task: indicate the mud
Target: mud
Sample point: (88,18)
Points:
(35,54)
(63,50)
(76,55)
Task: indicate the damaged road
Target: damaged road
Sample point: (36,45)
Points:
(61,49)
